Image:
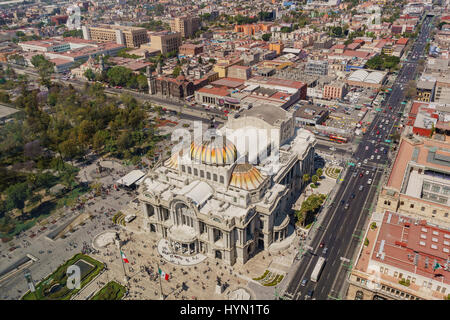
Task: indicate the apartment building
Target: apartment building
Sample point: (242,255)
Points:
(131,37)
(186,26)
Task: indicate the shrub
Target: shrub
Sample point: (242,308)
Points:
(373,226)
(366,242)
(262,277)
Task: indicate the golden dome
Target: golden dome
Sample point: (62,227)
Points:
(245,176)
(218,151)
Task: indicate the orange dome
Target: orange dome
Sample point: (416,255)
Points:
(245,176)
(218,151)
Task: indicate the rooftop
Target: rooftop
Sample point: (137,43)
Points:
(413,246)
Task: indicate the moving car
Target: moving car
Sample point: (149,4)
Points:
(361,187)
(304,282)
(369,181)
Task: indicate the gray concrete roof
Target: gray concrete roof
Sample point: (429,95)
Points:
(268,113)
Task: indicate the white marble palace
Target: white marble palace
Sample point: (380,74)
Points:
(227,195)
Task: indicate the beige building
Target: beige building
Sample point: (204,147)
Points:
(187,26)
(131,37)
(419,184)
(239,72)
(166,41)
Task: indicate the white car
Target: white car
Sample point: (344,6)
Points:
(378,157)
(365,161)
(372,157)
(369,181)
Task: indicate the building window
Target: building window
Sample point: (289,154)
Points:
(423,208)
(221,179)
(208,175)
(195,172)
(183,168)
(189,170)
(215,177)
(411,205)
(202,174)
(359,295)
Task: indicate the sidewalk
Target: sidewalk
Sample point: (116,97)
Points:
(282,287)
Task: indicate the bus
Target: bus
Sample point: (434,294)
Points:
(337,139)
(317,269)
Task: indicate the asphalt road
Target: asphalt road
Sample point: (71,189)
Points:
(341,229)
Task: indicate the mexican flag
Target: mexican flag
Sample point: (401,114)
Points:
(436,266)
(124,257)
(164,275)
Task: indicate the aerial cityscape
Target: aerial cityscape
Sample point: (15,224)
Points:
(225,150)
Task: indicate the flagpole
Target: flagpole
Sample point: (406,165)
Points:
(121,259)
(161,296)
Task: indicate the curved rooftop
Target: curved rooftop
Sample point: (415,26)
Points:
(365,76)
(358,75)
(374,77)
(218,151)
(245,176)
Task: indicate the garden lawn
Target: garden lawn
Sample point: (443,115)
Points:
(59,278)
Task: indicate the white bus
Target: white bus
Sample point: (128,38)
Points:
(317,269)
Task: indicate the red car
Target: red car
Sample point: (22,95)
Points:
(390,108)
(378,131)
(322,244)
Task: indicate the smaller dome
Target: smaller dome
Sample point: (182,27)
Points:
(245,176)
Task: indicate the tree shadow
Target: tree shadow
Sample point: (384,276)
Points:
(44,208)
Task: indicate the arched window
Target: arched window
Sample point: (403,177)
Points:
(359,295)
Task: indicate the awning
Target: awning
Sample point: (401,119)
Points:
(131,178)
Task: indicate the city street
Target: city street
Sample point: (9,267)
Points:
(342,228)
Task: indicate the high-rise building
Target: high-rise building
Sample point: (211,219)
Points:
(187,26)
(132,37)
(166,41)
